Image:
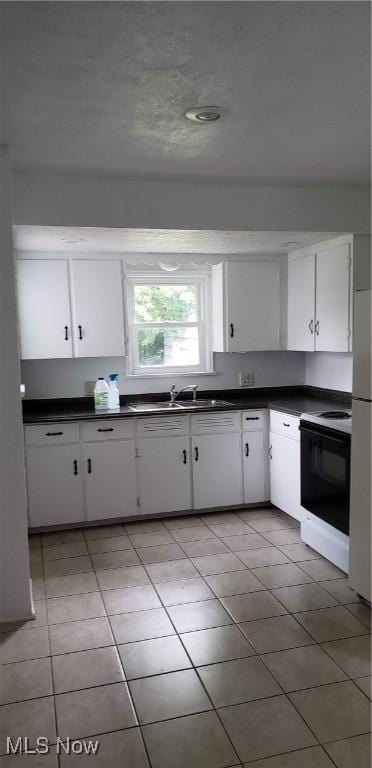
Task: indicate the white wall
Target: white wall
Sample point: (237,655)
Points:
(333,370)
(93,200)
(15,600)
(65,378)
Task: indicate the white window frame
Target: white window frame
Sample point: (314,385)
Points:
(202,282)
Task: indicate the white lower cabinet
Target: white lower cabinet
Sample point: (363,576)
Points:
(217,470)
(110,479)
(255,467)
(54,485)
(285,474)
(116,468)
(164,474)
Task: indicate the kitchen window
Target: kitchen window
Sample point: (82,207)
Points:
(168,323)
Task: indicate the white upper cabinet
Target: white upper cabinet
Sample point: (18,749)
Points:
(44,308)
(70,309)
(97,304)
(301,303)
(319,299)
(246,306)
(332,329)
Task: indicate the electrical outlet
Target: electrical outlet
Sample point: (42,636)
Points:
(246,379)
(89,388)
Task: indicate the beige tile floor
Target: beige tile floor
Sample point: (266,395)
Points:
(205,641)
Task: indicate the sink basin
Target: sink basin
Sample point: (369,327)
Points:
(204,404)
(153,407)
(167,406)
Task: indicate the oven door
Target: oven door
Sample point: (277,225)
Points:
(325,474)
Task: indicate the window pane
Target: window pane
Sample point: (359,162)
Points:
(165,303)
(168,346)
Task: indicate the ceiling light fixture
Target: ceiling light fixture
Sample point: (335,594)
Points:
(169,267)
(203,114)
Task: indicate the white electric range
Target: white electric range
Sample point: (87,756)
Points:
(325,483)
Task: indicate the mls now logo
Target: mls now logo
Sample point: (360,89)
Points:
(22,746)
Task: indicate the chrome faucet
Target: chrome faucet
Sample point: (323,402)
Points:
(173,392)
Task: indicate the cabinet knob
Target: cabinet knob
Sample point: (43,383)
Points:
(184,453)
(231,330)
(66,332)
(75,467)
(247,449)
(271,452)
(106,429)
(53,434)
(285,424)
(80,332)
(196,453)
(89,463)
(252,418)
(311,326)
(317,328)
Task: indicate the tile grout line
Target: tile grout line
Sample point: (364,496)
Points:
(129,693)
(203,578)
(193,667)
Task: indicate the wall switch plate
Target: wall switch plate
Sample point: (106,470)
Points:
(246,379)
(89,388)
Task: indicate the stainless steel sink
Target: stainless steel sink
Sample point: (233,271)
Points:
(153,407)
(204,404)
(168,406)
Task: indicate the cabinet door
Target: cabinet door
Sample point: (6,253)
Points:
(44,308)
(285,474)
(255,458)
(217,470)
(301,303)
(333,300)
(253,306)
(54,485)
(110,479)
(164,474)
(98,308)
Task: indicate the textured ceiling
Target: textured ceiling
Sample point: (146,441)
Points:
(99,240)
(104,85)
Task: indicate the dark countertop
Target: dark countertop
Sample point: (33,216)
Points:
(294,400)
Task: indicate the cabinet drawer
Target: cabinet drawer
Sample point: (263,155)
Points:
(108,429)
(163,425)
(223,421)
(254,420)
(285,424)
(52,434)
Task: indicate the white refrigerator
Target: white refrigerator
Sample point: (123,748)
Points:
(360,491)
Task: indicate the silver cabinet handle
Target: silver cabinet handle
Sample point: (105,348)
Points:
(311,326)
